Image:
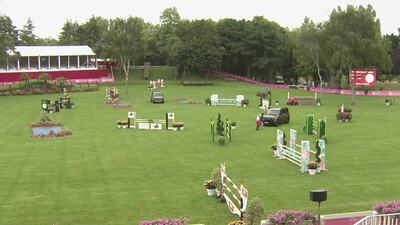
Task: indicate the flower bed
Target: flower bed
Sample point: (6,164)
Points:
(46,128)
(344,116)
(387,207)
(51,134)
(165,221)
(291,217)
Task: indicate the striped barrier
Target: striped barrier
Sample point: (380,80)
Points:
(239,194)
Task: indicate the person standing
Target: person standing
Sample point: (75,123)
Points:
(258,122)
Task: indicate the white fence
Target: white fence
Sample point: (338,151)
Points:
(380,219)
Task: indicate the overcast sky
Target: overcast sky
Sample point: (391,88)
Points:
(48,16)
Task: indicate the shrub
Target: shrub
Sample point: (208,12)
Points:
(209,184)
(44,77)
(208,101)
(220,126)
(25,77)
(221,140)
(216,178)
(255,212)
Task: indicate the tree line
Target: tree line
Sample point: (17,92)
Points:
(259,48)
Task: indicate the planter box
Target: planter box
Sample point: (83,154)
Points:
(211,192)
(46,130)
(312,171)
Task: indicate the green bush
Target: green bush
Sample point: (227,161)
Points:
(255,212)
(221,140)
(216,177)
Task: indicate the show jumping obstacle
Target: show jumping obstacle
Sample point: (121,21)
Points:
(239,194)
(302,157)
(226,101)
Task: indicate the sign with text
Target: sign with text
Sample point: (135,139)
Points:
(363,77)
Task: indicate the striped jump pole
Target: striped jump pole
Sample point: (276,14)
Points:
(241,202)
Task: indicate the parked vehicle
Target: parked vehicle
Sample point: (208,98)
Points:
(157,97)
(276,116)
(279,79)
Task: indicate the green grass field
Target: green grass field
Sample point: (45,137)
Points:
(105,175)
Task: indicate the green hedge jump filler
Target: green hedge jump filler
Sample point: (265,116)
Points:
(236,197)
(317,127)
(151,124)
(228,128)
(302,157)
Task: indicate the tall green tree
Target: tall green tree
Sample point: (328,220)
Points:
(200,46)
(308,50)
(232,35)
(70,33)
(394,51)
(352,40)
(8,38)
(91,32)
(48,41)
(124,42)
(168,42)
(26,35)
(266,48)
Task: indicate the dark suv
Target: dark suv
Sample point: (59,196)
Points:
(157,97)
(276,116)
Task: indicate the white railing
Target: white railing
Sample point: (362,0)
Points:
(380,219)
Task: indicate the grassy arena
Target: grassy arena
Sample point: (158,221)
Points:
(105,175)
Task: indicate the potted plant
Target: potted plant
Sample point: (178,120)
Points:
(119,124)
(387,101)
(318,102)
(245,102)
(274,149)
(221,140)
(211,187)
(233,125)
(208,101)
(178,126)
(237,222)
(312,167)
(124,123)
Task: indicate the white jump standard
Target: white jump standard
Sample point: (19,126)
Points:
(226,101)
(302,157)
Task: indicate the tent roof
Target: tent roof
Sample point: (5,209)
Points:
(25,51)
